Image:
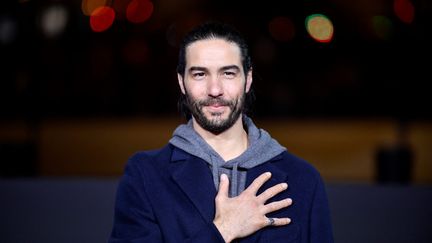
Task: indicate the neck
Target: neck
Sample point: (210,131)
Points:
(228,144)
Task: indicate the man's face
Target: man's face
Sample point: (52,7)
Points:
(214,83)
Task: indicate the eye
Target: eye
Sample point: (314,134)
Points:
(229,74)
(198,75)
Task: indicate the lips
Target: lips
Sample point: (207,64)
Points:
(216,106)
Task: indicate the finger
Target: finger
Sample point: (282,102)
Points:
(274,206)
(272,191)
(223,186)
(278,221)
(258,182)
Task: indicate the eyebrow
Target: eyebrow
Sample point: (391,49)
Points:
(224,68)
(196,68)
(237,68)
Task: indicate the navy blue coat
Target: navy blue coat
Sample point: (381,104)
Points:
(168,195)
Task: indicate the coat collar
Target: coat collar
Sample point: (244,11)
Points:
(179,155)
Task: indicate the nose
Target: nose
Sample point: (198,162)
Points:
(215,87)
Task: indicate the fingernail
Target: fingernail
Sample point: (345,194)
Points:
(289,201)
(223,177)
(284,185)
(268,174)
(288,220)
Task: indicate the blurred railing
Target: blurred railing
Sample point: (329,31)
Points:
(341,149)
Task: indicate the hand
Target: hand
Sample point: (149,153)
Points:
(245,214)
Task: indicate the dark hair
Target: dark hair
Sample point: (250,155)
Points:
(214,30)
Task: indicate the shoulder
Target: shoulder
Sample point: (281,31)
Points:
(304,180)
(297,168)
(294,162)
(150,158)
(166,150)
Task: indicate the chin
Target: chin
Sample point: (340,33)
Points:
(217,117)
(213,115)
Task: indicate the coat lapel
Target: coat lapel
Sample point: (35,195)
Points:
(278,176)
(194,178)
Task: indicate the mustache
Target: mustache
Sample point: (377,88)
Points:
(216,101)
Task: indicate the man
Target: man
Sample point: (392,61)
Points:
(220,178)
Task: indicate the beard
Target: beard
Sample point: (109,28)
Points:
(216,124)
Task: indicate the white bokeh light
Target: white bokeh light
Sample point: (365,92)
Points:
(8,30)
(53,20)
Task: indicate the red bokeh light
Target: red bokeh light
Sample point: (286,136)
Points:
(404,9)
(102,18)
(139,11)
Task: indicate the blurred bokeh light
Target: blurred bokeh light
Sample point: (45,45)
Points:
(102,18)
(405,10)
(382,26)
(88,6)
(138,11)
(53,20)
(319,27)
(8,30)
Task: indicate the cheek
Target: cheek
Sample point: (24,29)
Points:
(235,90)
(196,94)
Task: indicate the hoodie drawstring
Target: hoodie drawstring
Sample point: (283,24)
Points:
(215,173)
(234,175)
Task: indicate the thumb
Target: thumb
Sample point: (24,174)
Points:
(223,186)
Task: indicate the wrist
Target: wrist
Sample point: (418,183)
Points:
(224,231)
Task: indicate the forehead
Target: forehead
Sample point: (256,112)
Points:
(213,51)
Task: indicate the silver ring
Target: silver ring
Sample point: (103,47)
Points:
(271,221)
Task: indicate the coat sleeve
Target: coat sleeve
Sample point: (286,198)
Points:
(134,217)
(320,221)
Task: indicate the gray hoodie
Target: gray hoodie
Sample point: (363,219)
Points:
(261,149)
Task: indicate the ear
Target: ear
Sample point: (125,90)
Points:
(181,83)
(248,81)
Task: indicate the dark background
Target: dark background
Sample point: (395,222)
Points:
(129,69)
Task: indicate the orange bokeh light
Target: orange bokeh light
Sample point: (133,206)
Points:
(88,6)
(320,28)
(102,18)
(138,11)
